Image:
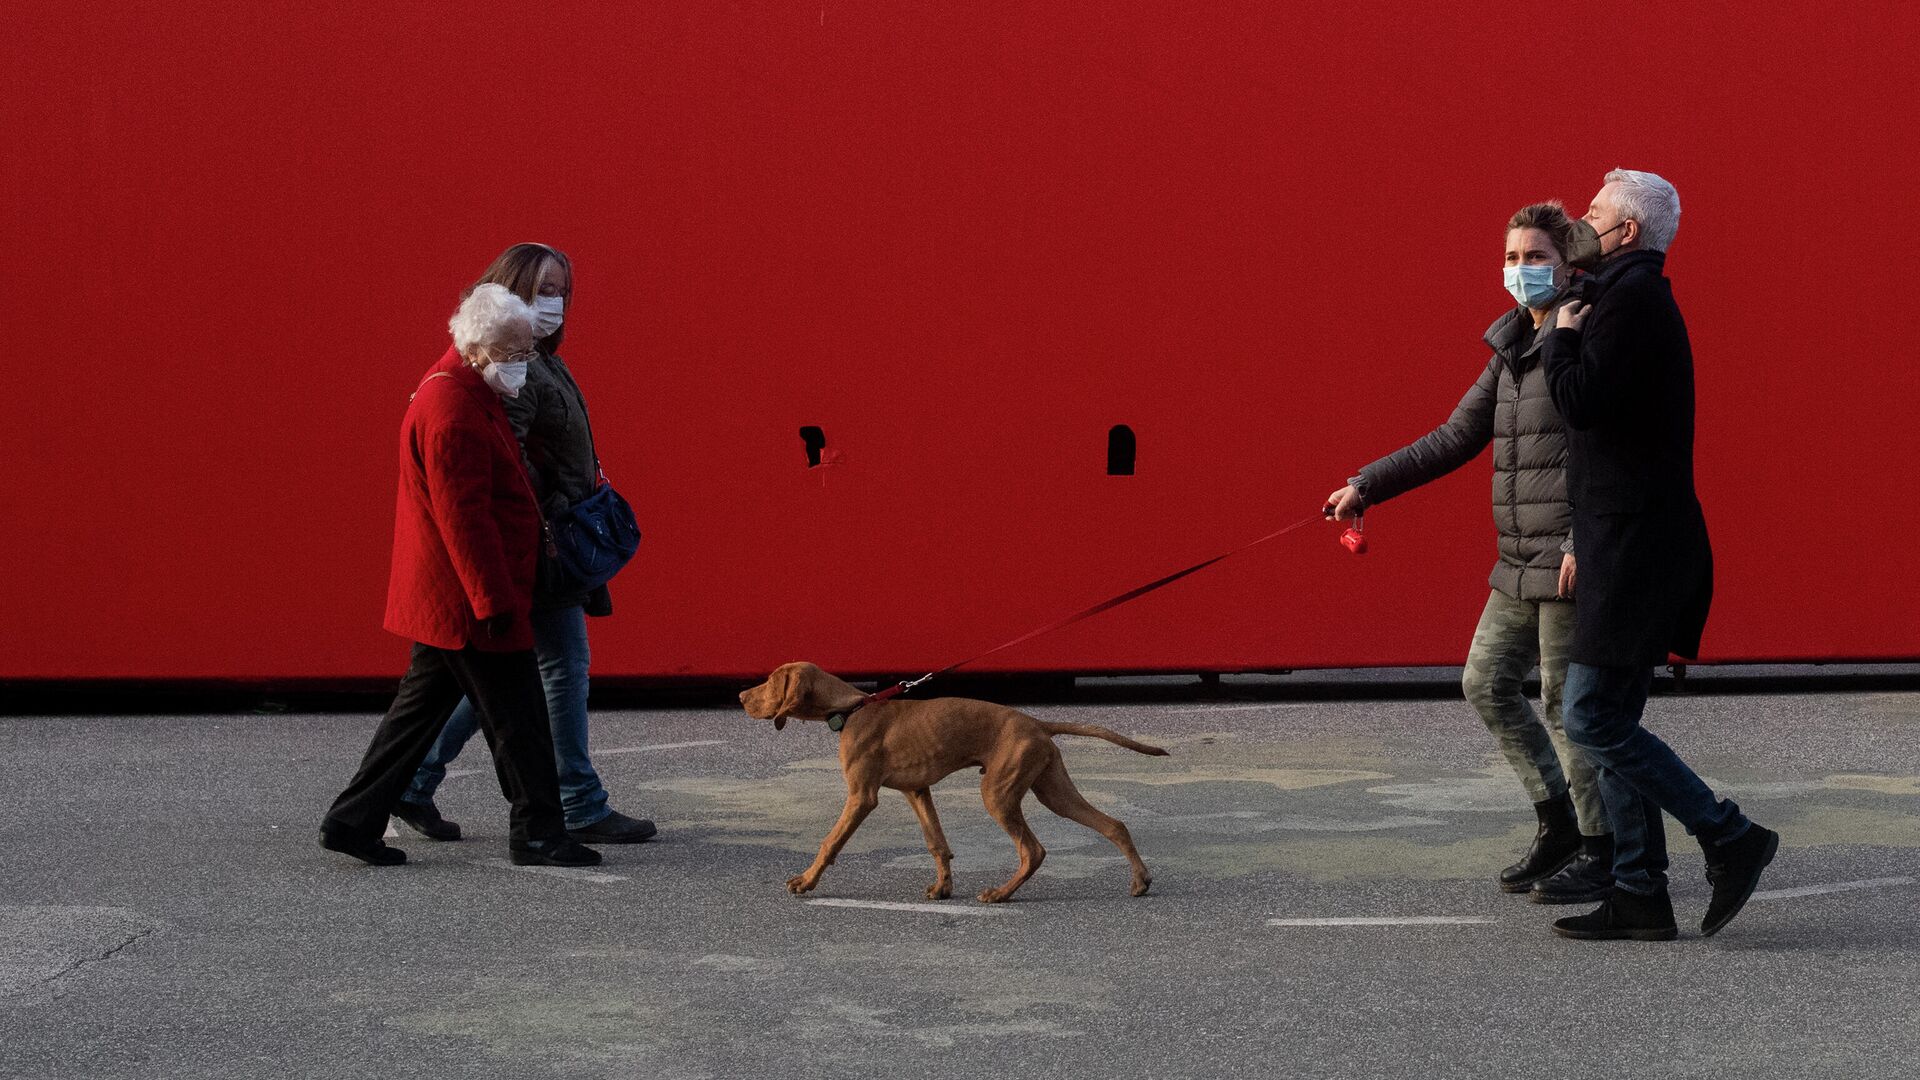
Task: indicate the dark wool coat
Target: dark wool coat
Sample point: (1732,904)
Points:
(550,418)
(1624,382)
(466,530)
(1510,407)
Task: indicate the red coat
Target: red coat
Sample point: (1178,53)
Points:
(466,530)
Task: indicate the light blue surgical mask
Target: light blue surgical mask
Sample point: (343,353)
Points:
(1531,286)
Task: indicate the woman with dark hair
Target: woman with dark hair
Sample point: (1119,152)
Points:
(549,416)
(1528,619)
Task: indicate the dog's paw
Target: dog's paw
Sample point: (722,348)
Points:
(993,896)
(802,883)
(1141,886)
(940,890)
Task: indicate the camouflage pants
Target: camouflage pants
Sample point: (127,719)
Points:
(1512,637)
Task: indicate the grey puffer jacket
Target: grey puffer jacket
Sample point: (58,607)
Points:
(1511,407)
(550,418)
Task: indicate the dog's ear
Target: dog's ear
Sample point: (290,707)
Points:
(789,687)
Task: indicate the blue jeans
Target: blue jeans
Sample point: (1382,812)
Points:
(1640,775)
(560,644)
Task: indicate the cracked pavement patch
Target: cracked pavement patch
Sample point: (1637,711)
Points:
(41,946)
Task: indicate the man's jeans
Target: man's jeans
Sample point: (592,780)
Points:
(560,643)
(1640,775)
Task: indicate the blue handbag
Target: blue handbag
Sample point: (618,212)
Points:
(594,539)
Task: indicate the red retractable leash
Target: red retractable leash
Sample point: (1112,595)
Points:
(1354,539)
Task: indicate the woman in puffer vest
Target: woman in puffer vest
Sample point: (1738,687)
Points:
(1529,614)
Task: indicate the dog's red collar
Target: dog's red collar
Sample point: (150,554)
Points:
(837,721)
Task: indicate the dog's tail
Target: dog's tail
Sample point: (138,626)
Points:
(1095,731)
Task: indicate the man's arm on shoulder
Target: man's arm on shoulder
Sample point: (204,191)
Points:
(1593,364)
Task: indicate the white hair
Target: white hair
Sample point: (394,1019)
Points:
(486,316)
(1649,200)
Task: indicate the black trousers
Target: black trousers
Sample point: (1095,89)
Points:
(507,696)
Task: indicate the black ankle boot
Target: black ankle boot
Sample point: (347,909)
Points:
(1624,916)
(1586,880)
(1733,868)
(1554,845)
(424,818)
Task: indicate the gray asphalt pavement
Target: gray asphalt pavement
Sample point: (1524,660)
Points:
(165,911)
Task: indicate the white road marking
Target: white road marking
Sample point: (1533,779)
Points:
(658,746)
(934,909)
(575,873)
(1411,920)
(456,773)
(1241,708)
(1839,886)
(391,833)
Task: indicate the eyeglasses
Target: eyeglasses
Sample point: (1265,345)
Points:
(519,357)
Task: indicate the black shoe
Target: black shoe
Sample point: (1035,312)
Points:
(1554,846)
(615,828)
(425,819)
(1587,879)
(1733,869)
(556,852)
(1624,916)
(374,852)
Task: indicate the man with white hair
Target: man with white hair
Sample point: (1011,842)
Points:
(1621,372)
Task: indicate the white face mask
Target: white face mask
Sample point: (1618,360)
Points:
(548,312)
(506,379)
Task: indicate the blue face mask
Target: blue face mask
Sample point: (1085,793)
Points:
(1531,286)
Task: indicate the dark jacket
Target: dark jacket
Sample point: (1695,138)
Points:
(1510,407)
(550,418)
(466,533)
(1624,382)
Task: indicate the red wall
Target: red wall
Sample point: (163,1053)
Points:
(964,240)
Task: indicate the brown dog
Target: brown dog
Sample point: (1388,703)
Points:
(910,745)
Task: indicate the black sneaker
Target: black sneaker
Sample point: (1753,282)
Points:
(1624,916)
(556,852)
(373,852)
(425,819)
(615,828)
(1733,869)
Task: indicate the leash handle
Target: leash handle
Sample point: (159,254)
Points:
(1355,538)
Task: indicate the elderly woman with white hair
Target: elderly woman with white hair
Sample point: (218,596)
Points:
(467,534)
(550,417)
